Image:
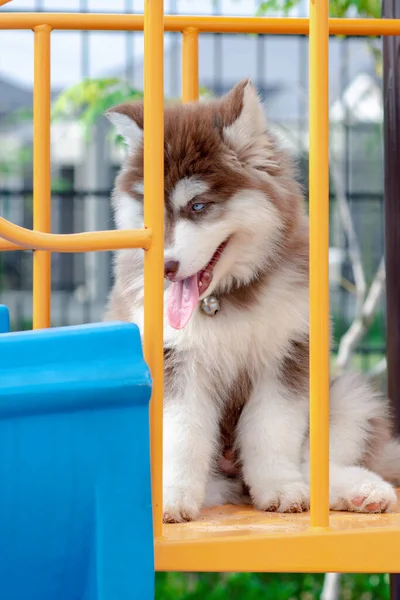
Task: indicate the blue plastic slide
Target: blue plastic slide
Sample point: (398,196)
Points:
(75,497)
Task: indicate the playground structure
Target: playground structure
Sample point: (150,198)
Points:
(224,539)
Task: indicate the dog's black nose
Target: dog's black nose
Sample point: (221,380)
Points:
(171,268)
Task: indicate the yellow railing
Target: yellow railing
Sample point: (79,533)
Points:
(154,218)
(319,26)
(319,261)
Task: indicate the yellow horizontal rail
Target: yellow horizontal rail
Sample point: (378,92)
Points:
(123,22)
(6,246)
(266,550)
(19,238)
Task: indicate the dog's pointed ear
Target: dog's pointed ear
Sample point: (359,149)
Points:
(128,119)
(242,115)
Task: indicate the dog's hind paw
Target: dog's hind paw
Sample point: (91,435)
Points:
(365,493)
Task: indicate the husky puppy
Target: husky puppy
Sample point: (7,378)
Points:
(236,383)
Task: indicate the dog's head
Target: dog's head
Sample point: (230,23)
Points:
(229,194)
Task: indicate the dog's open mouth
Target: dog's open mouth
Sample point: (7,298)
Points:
(205,276)
(184,295)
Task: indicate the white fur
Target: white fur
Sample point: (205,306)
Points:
(388,462)
(223,490)
(186,190)
(190,433)
(128,129)
(225,342)
(271,434)
(251,122)
(128,212)
(359,490)
(352,406)
(138,188)
(247,135)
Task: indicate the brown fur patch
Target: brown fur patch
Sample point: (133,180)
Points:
(297,252)
(238,396)
(244,296)
(234,401)
(380,435)
(172,361)
(294,370)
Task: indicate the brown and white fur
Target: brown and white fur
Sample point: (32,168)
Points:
(238,382)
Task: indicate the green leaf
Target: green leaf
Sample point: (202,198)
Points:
(337,8)
(87,101)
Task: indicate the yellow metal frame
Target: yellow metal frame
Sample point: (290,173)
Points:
(227,539)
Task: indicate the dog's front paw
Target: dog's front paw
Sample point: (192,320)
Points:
(283,497)
(180,505)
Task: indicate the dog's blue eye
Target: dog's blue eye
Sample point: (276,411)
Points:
(198,206)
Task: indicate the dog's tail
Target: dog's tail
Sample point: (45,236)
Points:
(387,464)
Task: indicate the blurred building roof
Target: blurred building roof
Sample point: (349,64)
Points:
(13,96)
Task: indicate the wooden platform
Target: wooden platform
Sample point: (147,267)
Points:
(235,538)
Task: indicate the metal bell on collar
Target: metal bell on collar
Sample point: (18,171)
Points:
(210,306)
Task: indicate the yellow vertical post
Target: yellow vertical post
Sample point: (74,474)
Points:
(190,65)
(41,174)
(319,282)
(154,219)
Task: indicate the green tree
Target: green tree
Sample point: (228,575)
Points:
(89,99)
(337,8)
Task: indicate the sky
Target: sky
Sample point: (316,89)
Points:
(107,50)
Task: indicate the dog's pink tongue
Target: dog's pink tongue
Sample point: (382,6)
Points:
(183,297)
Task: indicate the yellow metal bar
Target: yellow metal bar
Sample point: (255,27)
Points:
(3,2)
(18,238)
(280,545)
(190,65)
(154,218)
(319,282)
(122,22)
(41,174)
(6,246)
